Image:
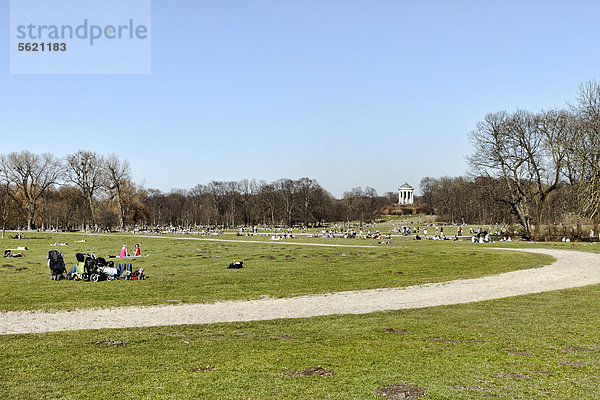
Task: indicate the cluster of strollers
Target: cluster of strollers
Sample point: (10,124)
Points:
(91,268)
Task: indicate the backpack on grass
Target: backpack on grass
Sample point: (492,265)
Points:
(56,263)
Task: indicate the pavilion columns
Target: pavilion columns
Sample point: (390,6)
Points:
(406,196)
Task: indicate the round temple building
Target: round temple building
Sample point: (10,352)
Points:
(406,194)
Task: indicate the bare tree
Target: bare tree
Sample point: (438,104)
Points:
(132,206)
(308,191)
(118,182)
(28,176)
(584,146)
(287,193)
(246,191)
(427,186)
(554,128)
(87,171)
(527,151)
(361,204)
(5,207)
(218,192)
(232,194)
(268,200)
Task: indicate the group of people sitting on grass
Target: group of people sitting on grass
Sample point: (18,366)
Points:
(351,234)
(89,267)
(280,236)
(123,252)
(482,237)
(434,237)
(111,271)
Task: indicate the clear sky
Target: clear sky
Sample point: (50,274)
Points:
(351,93)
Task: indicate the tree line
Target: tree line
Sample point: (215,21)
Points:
(533,168)
(86,189)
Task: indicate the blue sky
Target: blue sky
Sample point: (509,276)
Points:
(351,93)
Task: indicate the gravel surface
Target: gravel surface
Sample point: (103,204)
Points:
(571,269)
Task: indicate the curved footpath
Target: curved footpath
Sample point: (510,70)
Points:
(571,269)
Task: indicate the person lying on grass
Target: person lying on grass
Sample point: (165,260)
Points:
(10,254)
(236,265)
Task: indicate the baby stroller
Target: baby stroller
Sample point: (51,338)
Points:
(56,263)
(79,270)
(94,268)
(89,268)
(98,269)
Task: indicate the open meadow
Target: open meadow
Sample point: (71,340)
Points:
(192,269)
(534,346)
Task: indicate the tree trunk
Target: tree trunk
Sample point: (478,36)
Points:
(30,222)
(121,212)
(92,210)
(538,220)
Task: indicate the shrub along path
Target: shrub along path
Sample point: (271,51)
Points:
(571,269)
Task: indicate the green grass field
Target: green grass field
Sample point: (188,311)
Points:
(528,347)
(192,271)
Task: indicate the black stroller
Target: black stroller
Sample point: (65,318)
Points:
(56,263)
(90,268)
(95,269)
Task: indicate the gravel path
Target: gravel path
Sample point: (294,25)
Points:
(571,269)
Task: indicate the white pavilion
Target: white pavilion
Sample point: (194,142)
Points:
(406,194)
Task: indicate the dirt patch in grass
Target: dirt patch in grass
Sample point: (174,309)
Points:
(216,335)
(394,330)
(310,371)
(13,268)
(400,391)
(574,349)
(512,375)
(573,363)
(208,368)
(112,343)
